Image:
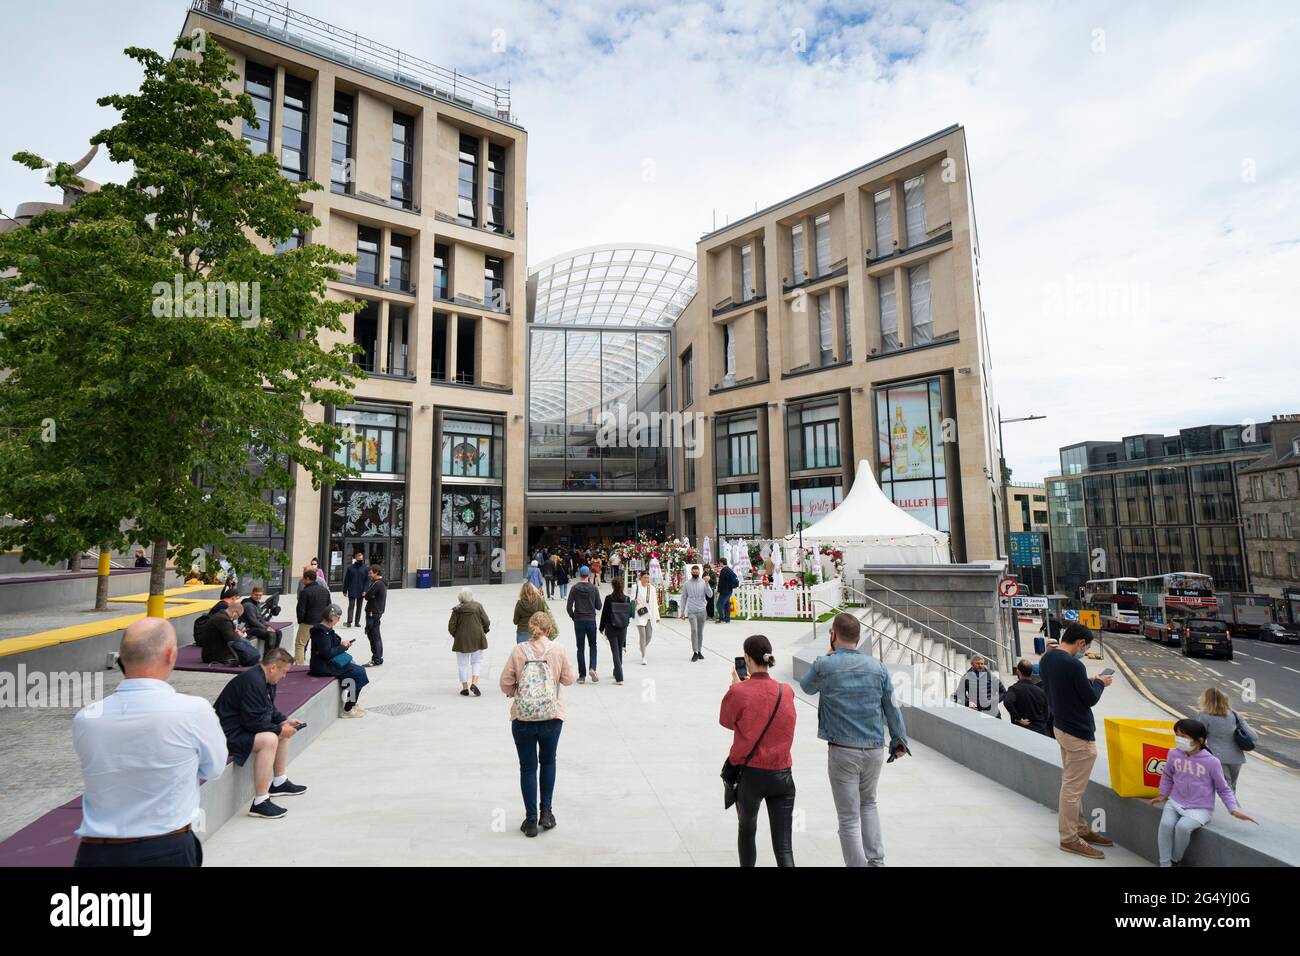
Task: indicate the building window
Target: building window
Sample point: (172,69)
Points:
(1257,487)
(1266,563)
(294,128)
(812,499)
(746,272)
(466,349)
(918,279)
(884,223)
(1294,561)
(467,207)
(399,262)
(736,445)
(472,448)
(825,332)
(399,334)
(494,283)
(1170,501)
(822,235)
(728,355)
(888,314)
(1286,525)
(798,268)
(259,81)
(295,241)
(1133,497)
(365,333)
(375,443)
(847,321)
(1221,557)
(1212,493)
(739,511)
(402,191)
(813,435)
(439,347)
(341,149)
(914,201)
(367,255)
(913,468)
(688,459)
(496,188)
(441,262)
(688,378)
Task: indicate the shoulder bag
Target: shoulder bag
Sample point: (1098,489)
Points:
(731,773)
(1244,741)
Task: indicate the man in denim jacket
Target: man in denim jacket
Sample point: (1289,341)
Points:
(857,700)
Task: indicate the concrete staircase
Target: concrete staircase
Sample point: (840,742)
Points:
(897,642)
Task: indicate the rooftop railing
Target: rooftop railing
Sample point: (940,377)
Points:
(1257,450)
(279,23)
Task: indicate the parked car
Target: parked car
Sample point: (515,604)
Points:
(1279,634)
(1207,638)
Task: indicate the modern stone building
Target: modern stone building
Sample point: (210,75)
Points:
(1269,491)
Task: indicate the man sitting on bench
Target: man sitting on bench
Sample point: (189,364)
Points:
(220,640)
(256,621)
(246,709)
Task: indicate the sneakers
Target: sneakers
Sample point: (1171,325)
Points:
(473,689)
(374,663)
(1096,839)
(356,711)
(464,692)
(644,662)
(594,678)
(529,827)
(547,820)
(582,680)
(266,810)
(1083,849)
(286,789)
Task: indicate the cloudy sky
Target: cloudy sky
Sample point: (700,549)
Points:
(1136,166)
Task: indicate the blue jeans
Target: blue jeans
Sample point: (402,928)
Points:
(586,634)
(521,636)
(564,589)
(536,741)
(724,607)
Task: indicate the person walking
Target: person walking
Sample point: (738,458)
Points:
(597,568)
(533,574)
(313,598)
(144,749)
(1190,779)
(562,577)
(710,603)
(615,564)
(548,575)
(980,689)
(330,658)
(856,706)
(727,583)
(1223,725)
(468,628)
(645,613)
(759,711)
(532,677)
(1071,695)
(615,616)
(695,596)
(1026,703)
(355,579)
(376,604)
(529,602)
(583,604)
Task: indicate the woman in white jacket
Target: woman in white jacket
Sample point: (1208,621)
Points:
(646,615)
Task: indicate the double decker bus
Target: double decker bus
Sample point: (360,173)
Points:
(1116,602)
(1170,600)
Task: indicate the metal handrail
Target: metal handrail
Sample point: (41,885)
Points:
(939,635)
(884,637)
(929,610)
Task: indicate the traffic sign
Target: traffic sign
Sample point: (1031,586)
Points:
(1008,587)
(1070,616)
(1027,602)
(1090,620)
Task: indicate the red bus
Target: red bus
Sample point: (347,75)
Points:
(1170,600)
(1116,602)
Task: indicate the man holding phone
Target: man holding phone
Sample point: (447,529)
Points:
(253,726)
(857,702)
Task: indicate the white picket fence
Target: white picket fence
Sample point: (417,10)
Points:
(796,603)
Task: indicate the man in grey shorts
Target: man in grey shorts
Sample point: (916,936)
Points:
(695,605)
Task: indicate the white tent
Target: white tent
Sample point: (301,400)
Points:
(871,529)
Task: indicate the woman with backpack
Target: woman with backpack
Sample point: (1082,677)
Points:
(1228,734)
(468,627)
(615,616)
(532,677)
(1190,779)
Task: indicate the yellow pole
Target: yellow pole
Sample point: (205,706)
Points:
(155,605)
(103,563)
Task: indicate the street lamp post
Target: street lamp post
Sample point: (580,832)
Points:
(1006,515)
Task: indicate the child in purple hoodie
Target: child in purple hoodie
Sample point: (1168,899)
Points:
(1191,778)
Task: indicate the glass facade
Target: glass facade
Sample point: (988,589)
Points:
(740,510)
(596,403)
(913,465)
(468,522)
(812,499)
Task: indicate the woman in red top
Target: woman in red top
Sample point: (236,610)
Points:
(746,710)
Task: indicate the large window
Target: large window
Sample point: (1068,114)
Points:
(368,255)
(825,330)
(596,405)
(1221,557)
(1171,503)
(822,235)
(467,181)
(376,440)
(494,283)
(740,511)
(914,200)
(798,268)
(472,447)
(1133,496)
(911,449)
(846,319)
(728,355)
(440,330)
(889,341)
(812,499)
(365,333)
(402,191)
(467,329)
(918,278)
(736,445)
(496,207)
(441,271)
(1175,550)
(1212,493)
(294,127)
(688,378)
(1099,500)
(884,224)
(746,272)
(259,82)
(399,263)
(399,339)
(813,434)
(341,148)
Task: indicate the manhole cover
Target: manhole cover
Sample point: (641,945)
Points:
(398,710)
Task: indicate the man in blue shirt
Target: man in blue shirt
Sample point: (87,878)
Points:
(857,701)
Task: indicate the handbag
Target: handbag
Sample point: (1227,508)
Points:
(731,773)
(341,659)
(1244,741)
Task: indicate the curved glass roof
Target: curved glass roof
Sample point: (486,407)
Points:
(620,284)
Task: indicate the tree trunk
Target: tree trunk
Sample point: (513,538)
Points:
(101,581)
(157,578)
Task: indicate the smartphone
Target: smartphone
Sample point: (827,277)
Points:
(741,670)
(300,724)
(1107,672)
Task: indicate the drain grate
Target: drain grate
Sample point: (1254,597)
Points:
(398,710)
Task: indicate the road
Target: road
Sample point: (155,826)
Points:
(1263,681)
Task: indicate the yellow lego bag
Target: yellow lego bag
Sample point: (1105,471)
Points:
(1137,749)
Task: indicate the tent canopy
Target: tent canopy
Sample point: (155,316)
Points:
(874,530)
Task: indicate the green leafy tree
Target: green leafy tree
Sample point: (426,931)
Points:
(128,413)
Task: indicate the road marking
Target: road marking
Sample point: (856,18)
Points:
(1235,663)
(1216,673)
(1269,700)
(1291,669)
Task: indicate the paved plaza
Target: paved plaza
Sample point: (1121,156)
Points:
(431,778)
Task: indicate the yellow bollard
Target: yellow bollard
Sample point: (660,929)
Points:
(154,607)
(103,563)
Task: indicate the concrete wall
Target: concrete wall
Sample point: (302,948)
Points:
(69,588)
(1030,764)
(92,653)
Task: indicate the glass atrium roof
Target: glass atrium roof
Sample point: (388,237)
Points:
(614,285)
